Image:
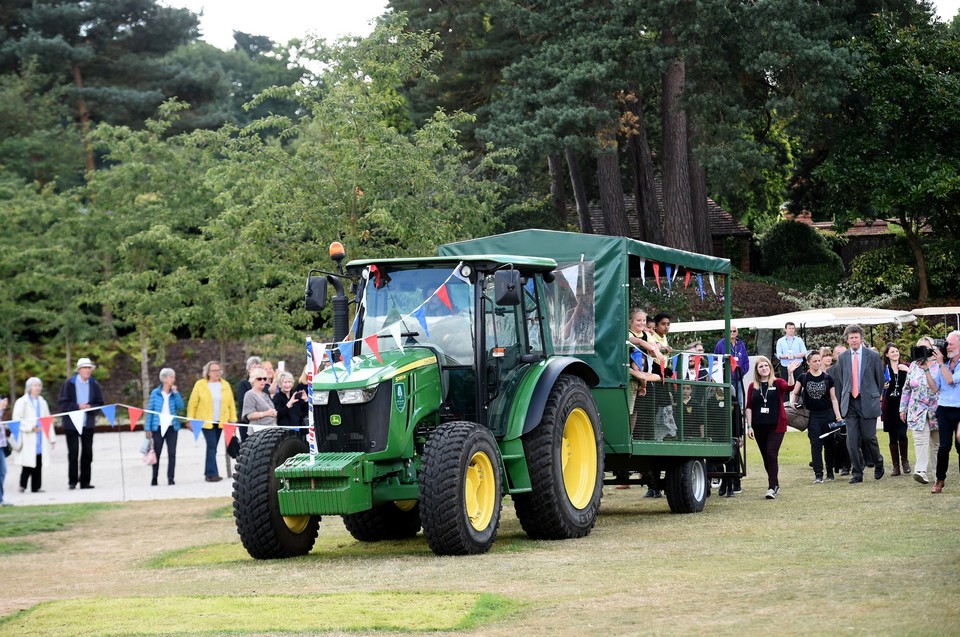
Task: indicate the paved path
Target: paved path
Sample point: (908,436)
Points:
(119,475)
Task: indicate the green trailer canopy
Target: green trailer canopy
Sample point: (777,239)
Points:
(604,263)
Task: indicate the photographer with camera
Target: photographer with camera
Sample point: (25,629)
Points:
(918,407)
(290,402)
(946,376)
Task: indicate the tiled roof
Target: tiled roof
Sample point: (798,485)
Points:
(873,228)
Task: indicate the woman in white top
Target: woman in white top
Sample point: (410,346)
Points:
(34,443)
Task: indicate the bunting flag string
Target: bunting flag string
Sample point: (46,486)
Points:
(135,414)
(77,418)
(196,426)
(110,413)
(374,345)
(45,423)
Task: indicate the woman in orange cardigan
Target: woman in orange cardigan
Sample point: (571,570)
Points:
(211,396)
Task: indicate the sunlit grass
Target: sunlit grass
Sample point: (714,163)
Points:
(180,615)
(11,547)
(20,521)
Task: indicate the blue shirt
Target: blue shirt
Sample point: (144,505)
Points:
(790,345)
(83,390)
(949,392)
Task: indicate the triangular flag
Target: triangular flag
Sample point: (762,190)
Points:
(656,273)
(643,273)
(637,357)
(165,421)
(255,428)
(676,271)
(422,317)
(14,429)
(77,418)
(375,271)
(710,363)
(696,366)
(110,412)
(673,363)
(46,422)
(328,354)
(197,427)
(374,346)
(395,332)
(685,362)
(444,297)
(346,354)
(686,280)
(135,414)
(572,275)
(356,323)
(733,364)
(700,285)
(713,285)
(228,431)
(669,276)
(311,362)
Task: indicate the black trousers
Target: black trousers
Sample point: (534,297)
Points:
(158,440)
(79,455)
(28,473)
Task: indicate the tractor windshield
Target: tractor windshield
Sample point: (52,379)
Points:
(428,306)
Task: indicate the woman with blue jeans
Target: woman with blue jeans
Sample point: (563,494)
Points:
(947,380)
(820,397)
(212,402)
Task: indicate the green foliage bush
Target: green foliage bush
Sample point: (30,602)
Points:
(880,271)
(799,254)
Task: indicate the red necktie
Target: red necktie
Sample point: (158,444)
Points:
(855,384)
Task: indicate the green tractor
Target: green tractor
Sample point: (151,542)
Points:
(463,378)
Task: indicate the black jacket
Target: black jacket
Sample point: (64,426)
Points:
(67,401)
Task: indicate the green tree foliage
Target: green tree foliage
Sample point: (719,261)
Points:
(894,153)
(111,52)
(797,253)
(887,268)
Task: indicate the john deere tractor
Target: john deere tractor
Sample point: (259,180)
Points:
(484,372)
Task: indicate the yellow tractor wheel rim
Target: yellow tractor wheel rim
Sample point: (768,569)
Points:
(296,523)
(578,458)
(480,491)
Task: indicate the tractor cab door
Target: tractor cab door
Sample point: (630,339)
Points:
(507,346)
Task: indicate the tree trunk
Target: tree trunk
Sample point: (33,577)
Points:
(579,192)
(698,203)
(641,163)
(144,367)
(84,118)
(558,197)
(913,240)
(608,177)
(678,222)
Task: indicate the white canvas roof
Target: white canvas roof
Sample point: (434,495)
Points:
(827,317)
(935,311)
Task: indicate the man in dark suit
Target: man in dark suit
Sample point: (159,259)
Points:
(80,392)
(859,375)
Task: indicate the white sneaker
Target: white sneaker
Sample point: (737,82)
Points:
(715,483)
(771,494)
(921,477)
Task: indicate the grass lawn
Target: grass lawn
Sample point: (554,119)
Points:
(868,559)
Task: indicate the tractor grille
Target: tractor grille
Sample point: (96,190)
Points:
(362,427)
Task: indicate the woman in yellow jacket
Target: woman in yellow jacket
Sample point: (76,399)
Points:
(211,396)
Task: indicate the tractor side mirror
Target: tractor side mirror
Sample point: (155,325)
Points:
(506,287)
(316,297)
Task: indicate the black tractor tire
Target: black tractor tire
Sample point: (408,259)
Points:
(565,459)
(687,486)
(390,521)
(461,493)
(265,533)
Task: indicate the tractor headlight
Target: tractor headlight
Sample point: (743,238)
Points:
(321,397)
(356,396)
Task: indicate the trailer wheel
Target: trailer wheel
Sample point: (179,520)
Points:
(460,489)
(390,521)
(686,486)
(265,533)
(565,458)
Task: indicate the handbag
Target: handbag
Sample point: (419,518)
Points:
(150,458)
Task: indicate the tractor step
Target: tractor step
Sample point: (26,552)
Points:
(323,484)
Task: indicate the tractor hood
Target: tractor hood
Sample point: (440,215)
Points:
(368,371)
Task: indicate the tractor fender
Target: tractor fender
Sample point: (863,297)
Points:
(542,381)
